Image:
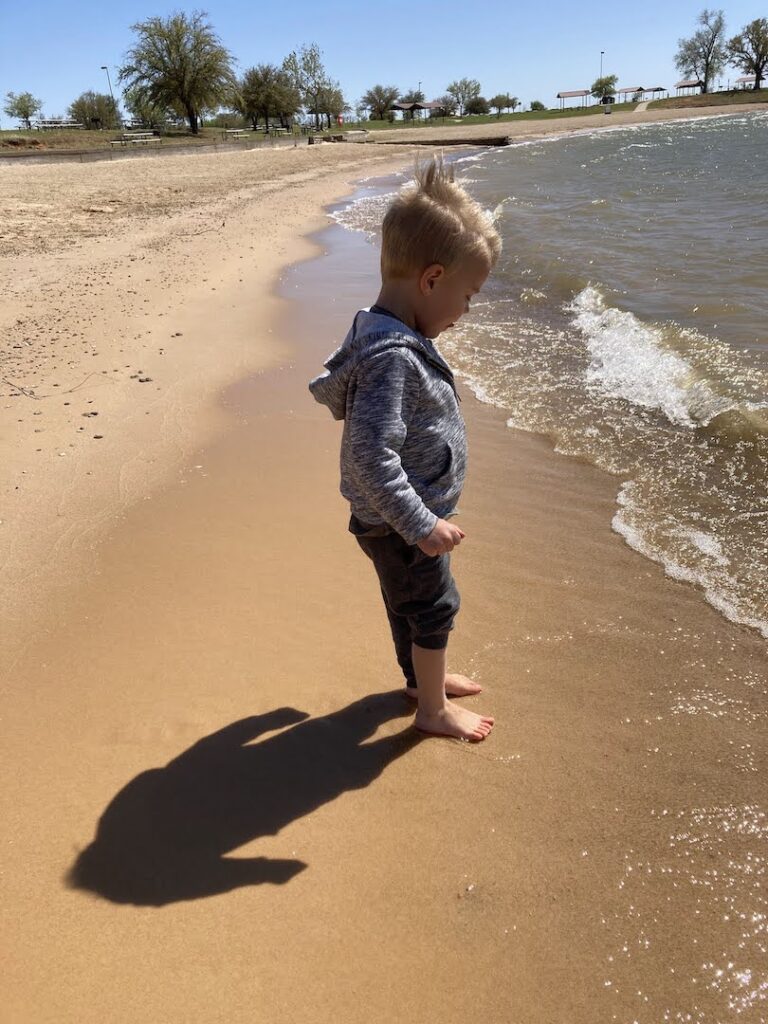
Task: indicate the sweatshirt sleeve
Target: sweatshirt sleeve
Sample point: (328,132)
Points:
(385,396)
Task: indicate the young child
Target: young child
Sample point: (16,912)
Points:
(403,449)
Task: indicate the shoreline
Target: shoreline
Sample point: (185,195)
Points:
(478,134)
(106,385)
(537,130)
(515,872)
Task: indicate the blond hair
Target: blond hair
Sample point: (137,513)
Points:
(433,220)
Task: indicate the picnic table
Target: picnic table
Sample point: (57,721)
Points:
(48,124)
(134,138)
(238,133)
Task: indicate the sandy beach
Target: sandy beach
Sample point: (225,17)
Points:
(132,292)
(214,806)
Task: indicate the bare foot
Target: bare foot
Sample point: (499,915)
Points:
(455,721)
(455,686)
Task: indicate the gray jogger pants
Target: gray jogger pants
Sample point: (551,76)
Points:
(419,592)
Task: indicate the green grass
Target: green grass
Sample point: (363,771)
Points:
(81,139)
(13,141)
(452,122)
(712,99)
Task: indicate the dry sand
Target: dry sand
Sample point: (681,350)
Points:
(599,858)
(121,311)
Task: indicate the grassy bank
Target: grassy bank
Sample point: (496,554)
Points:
(712,99)
(450,122)
(73,139)
(80,139)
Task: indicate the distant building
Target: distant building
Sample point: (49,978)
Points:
(688,86)
(581,94)
(635,91)
(413,107)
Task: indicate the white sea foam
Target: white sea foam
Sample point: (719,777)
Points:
(364,213)
(695,123)
(629,361)
(705,543)
(707,572)
(471,159)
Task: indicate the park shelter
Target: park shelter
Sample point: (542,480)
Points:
(413,107)
(572,95)
(689,85)
(632,90)
(655,89)
(745,82)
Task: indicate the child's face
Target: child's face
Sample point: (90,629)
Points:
(445,295)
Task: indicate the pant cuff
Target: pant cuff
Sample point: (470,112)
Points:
(432,641)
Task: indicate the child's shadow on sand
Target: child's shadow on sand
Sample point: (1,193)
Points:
(165,836)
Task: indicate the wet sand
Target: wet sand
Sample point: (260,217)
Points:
(600,857)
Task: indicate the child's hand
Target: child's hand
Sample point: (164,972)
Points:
(443,539)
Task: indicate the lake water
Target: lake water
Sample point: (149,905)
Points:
(626,320)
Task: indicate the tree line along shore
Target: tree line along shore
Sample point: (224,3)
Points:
(160,98)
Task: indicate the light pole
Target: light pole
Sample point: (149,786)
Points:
(601,62)
(109,80)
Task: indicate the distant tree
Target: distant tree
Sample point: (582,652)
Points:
(266,91)
(446,106)
(379,99)
(537,105)
(142,110)
(499,102)
(605,86)
(507,102)
(748,51)
(24,106)
(463,90)
(412,96)
(308,75)
(330,102)
(704,54)
(477,105)
(95,110)
(179,62)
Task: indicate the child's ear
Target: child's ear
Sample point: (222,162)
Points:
(430,277)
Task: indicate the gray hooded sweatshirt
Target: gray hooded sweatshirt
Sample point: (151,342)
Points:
(403,449)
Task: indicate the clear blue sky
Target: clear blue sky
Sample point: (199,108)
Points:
(55,50)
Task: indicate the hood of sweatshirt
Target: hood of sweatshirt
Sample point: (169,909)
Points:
(370,334)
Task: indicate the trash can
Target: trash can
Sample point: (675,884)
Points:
(607,101)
